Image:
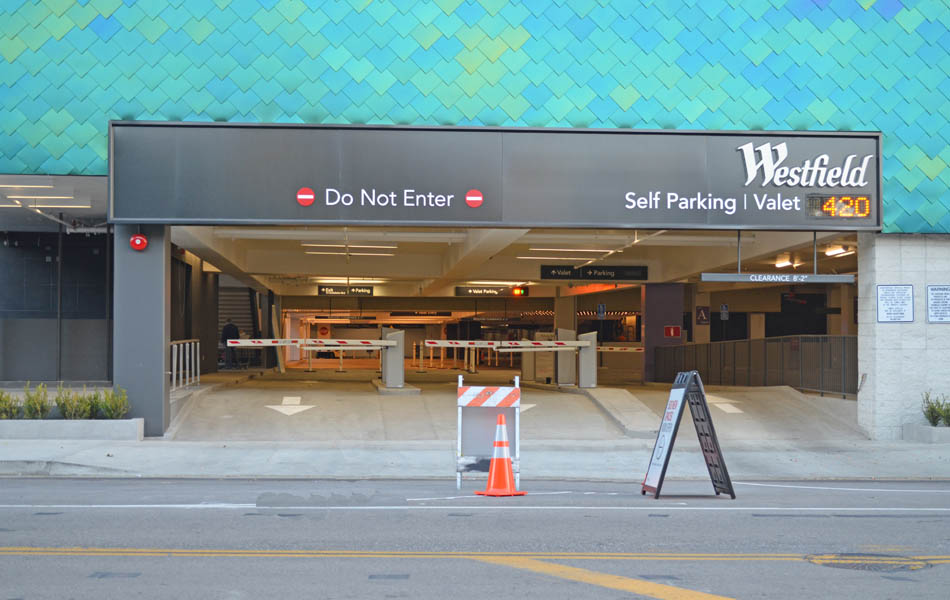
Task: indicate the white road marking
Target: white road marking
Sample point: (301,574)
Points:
(727,407)
(526,407)
(653,506)
(839,489)
(469,497)
(290,405)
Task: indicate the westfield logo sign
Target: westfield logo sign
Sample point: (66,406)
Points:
(767,161)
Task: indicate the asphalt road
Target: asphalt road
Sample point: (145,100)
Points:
(86,538)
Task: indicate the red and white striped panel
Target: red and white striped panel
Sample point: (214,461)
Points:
(619,348)
(505,344)
(489,396)
(310,342)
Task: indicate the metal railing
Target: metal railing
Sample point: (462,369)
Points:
(186,363)
(819,363)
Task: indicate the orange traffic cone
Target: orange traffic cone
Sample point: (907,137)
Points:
(501,479)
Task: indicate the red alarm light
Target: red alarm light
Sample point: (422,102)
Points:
(138,242)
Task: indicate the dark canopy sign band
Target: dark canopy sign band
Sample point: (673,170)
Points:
(225,173)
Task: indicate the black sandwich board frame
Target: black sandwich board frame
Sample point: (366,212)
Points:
(687,388)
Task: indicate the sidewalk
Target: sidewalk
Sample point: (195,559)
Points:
(765,433)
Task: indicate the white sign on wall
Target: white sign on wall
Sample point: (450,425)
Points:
(895,304)
(938,303)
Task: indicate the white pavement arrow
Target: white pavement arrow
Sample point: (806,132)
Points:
(290,405)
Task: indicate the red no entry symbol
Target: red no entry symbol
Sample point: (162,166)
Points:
(473,198)
(305,196)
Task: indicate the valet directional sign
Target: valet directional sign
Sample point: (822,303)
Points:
(687,389)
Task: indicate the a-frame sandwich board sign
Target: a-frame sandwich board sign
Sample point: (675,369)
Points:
(687,389)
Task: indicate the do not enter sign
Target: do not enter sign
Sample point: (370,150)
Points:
(305,196)
(473,198)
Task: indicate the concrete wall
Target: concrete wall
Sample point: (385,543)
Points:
(900,360)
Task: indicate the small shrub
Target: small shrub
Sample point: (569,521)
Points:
(36,402)
(75,405)
(114,403)
(945,411)
(9,406)
(932,408)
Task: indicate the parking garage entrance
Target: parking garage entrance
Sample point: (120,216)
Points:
(649,239)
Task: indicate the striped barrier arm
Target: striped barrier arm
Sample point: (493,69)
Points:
(619,348)
(507,345)
(265,343)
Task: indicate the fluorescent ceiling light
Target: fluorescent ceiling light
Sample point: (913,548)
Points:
(566,250)
(60,206)
(390,246)
(848,253)
(834,251)
(511,283)
(45,187)
(552,257)
(783,263)
(350,281)
(351,253)
(41,197)
(16,205)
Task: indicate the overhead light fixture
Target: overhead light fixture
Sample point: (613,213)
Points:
(351,253)
(381,247)
(16,204)
(60,206)
(26,187)
(566,250)
(552,257)
(838,251)
(489,282)
(348,280)
(41,197)
(783,263)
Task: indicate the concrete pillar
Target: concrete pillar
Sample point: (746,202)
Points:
(662,305)
(841,296)
(899,361)
(756,326)
(565,313)
(701,332)
(141,325)
(566,361)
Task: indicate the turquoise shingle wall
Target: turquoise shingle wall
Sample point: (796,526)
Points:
(67,67)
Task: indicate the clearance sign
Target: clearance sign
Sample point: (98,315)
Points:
(222,173)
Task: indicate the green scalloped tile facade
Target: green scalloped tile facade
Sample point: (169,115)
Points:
(69,66)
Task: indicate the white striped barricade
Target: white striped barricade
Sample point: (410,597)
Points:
(310,345)
(478,410)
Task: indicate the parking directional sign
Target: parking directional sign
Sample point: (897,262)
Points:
(601,311)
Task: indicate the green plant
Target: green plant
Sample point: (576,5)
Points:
(9,406)
(36,402)
(75,405)
(945,410)
(932,407)
(114,403)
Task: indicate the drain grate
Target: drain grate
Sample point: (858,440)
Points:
(868,562)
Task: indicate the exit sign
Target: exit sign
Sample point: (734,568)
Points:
(672,331)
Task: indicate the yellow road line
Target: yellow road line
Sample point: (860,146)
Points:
(80,551)
(614,582)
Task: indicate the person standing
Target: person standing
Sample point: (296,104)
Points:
(229,332)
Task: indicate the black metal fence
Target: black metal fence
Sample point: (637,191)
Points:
(820,363)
